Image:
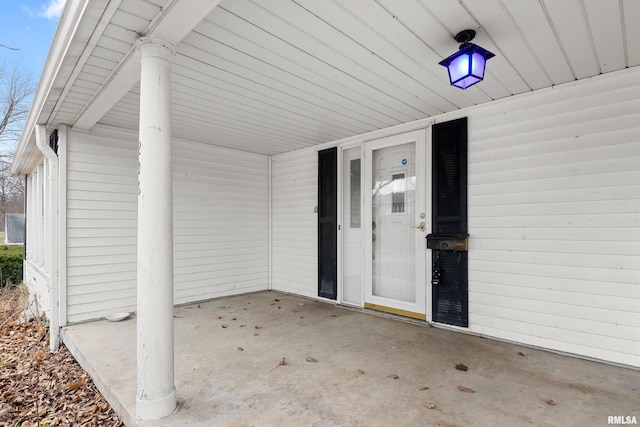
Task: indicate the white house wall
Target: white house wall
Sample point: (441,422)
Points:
(554,218)
(220,223)
(34,274)
(294,222)
(101,225)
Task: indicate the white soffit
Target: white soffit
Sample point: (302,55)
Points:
(270,76)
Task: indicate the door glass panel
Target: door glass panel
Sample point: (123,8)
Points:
(397,196)
(352,233)
(393,213)
(355,195)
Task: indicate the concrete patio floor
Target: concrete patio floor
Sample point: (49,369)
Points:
(227,371)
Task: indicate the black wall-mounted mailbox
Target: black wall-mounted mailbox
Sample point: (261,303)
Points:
(448,242)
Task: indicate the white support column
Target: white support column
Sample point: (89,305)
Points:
(156,396)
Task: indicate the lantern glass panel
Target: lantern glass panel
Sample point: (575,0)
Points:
(477,65)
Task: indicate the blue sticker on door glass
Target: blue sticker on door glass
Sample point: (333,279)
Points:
(404,161)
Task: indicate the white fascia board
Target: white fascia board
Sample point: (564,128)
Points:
(175,22)
(71,16)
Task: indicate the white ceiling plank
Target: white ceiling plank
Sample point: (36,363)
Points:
(300,38)
(239,34)
(296,54)
(631,21)
(186,120)
(132,23)
(108,54)
(215,104)
(105,64)
(82,90)
(242,84)
(96,71)
(159,3)
(267,95)
(240,64)
(110,43)
(536,28)
(348,33)
(312,35)
(225,100)
(90,79)
(497,23)
(118,31)
(606,28)
(374,28)
(222,135)
(80,84)
(570,24)
(142,8)
(219,115)
(223,95)
(78,97)
(121,121)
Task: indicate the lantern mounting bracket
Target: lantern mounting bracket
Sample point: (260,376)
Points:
(465,36)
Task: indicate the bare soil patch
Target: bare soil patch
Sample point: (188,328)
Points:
(39,387)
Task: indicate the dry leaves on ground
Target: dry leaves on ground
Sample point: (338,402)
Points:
(39,387)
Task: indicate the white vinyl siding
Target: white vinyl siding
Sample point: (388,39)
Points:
(101,225)
(294,222)
(220,223)
(34,274)
(554,219)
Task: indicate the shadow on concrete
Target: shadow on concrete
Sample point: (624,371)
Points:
(341,368)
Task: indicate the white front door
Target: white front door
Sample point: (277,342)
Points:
(397,223)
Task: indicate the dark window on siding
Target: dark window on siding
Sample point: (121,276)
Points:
(53,141)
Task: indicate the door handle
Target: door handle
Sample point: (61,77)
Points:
(419,226)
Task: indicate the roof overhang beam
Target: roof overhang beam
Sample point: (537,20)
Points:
(173,24)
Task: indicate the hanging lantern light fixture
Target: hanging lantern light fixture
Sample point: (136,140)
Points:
(466,66)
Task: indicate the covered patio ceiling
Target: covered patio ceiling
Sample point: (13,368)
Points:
(273,76)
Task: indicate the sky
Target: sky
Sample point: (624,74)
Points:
(28,25)
(26,32)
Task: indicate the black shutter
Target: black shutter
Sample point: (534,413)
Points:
(450,291)
(328,223)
